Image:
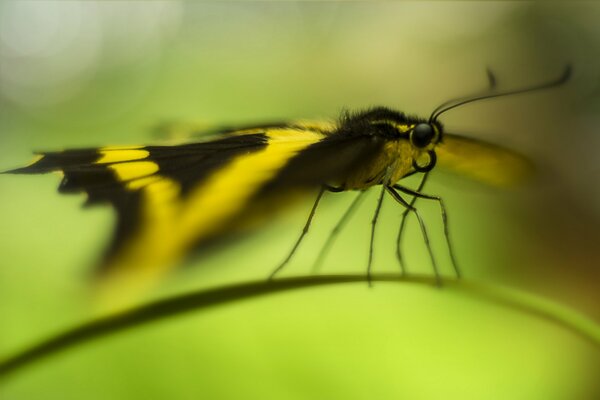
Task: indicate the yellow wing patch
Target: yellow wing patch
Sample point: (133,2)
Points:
(109,155)
(484,162)
(133,170)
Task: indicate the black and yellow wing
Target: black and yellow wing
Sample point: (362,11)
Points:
(481,161)
(169,199)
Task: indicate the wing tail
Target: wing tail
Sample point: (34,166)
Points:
(55,161)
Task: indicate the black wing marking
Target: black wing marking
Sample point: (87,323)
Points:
(186,164)
(192,163)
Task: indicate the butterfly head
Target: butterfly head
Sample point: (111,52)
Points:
(396,127)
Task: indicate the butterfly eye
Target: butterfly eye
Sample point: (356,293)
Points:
(422,135)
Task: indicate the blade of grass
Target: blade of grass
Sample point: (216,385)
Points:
(207,298)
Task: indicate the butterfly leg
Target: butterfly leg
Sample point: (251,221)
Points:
(418,194)
(336,230)
(400,200)
(373,223)
(304,232)
(403,225)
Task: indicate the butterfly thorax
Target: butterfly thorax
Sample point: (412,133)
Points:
(406,145)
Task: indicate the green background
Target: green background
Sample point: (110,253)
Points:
(75,74)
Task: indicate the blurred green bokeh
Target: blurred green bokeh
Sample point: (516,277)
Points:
(78,74)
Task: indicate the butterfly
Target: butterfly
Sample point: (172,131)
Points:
(171,199)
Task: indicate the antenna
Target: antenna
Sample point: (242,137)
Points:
(449,105)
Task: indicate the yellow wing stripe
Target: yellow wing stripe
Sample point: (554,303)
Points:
(120,155)
(226,192)
(133,170)
(137,184)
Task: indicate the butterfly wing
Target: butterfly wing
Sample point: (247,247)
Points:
(481,161)
(168,199)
